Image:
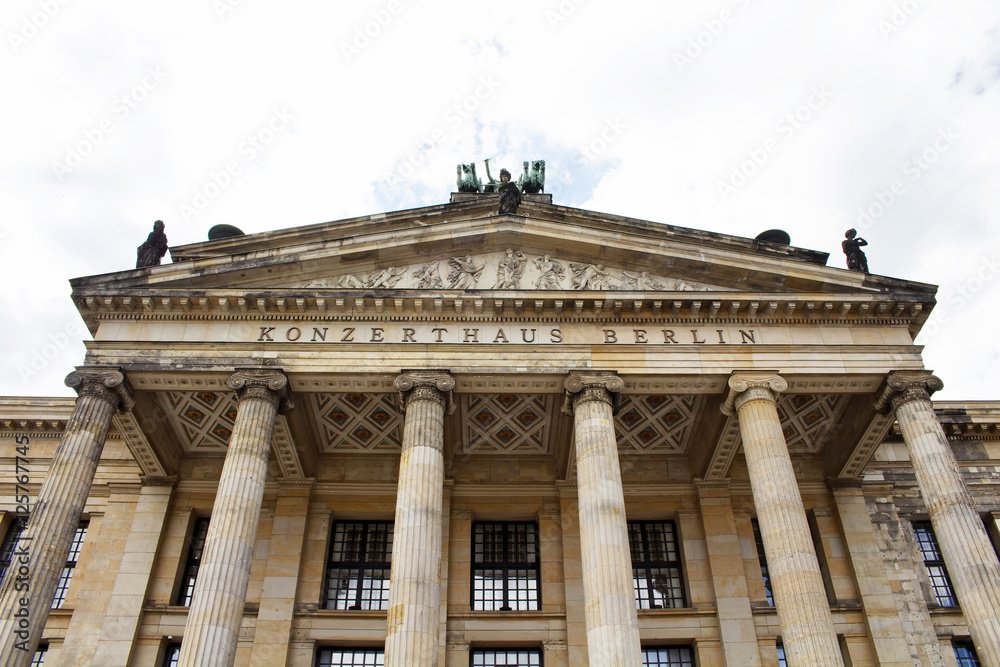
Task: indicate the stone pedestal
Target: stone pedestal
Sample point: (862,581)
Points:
(968,554)
(55,514)
(412,633)
(800,598)
(610,612)
(213,625)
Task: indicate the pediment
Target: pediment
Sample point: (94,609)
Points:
(466,246)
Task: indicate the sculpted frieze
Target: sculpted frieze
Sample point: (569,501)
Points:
(514,270)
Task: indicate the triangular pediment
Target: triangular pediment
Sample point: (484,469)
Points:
(467,246)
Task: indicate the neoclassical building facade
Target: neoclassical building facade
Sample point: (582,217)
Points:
(444,436)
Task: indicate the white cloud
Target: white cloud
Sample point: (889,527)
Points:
(558,85)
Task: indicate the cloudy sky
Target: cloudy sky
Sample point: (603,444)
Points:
(733,116)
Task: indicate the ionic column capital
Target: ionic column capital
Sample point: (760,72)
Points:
(752,386)
(266,384)
(426,385)
(582,387)
(104,382)
(905,386)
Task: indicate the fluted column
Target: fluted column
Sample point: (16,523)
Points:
(803,609)
(968,554)
(414,590)
(213,624)
(27,591)
(609,601)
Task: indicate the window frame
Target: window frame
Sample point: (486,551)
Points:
(365,564)
(506,567)
(192,562)
(72,560)
(171,655)
(937,571)
(10,541)
(646,566)
(480,652)
(971,658)
(358,651)
(690,661)
(765,571)
(38,657)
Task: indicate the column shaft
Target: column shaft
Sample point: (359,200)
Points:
(800,598)
(412,631)
(213,624)
(609,607)
(968,554)
(56,512)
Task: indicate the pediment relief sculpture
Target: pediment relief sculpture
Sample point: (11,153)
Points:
(514,270)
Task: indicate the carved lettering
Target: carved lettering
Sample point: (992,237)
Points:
(748,336)
(694,336)
(471,335)
(501,337)
(668,336)
(610,336)
(378,335)
(721,339)
(524,335)
(320,335)
(265,333)
(640,335)
(408,335)
(348,335)
(293,336)
(555,336)
(438,331)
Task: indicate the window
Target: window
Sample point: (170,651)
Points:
(71,559)
(781,655)
(965,653)
(505,571)
(38,659)
(656,567)
(934,562)
(172,656)
(519,657)
(350,657)
(667,656)
(195,551)
(357,576)
(762,557)
(10,541)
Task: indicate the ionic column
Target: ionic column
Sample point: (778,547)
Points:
(412,630)
(56,512)
(799,595)
(966,547)
(609,601)
(213,624)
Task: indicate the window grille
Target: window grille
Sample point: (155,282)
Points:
(505,568)
(656,567)
(193,563)
(67,574)
(944,593)
(357,574)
